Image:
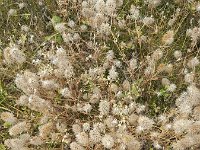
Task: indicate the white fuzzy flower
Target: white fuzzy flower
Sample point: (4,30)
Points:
(36,140)
(12,12)
(107,141)
(69,72)
(76,128)
(87,108)
(49,84)
(22,101)
(21,5)
(25,28)
(19,128)
(76,37)
(60,27)
(14,144)
(76,146)
(168,37)
(168,68)
(192,63)
(110,7)
(100,127)
(100,6)
(86,126)
(8,117)
(157,145)
(144,123)
(198,7)
(171,87)
(45,129)
(112,73)
(84,4)
(27,82)
(104,107)
(110,55)
(14,55)
(135,13)
(153,3)
(95,136)
(189,77)
(105,29)
(157,54)
(181,125)
(71,23)
(193,95)
(165,82)
(133,64)
(148,21)
(177,54)
(82,138)
(67,38)
(38,104)
(66,92)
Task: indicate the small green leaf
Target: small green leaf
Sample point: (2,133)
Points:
(134,90)
(23,38)
(2,147)
(7,125)
(47,38)
(56,19)
(58,39)
(163,92)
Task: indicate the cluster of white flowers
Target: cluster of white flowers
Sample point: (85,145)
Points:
(19,128)
(98,12)
(107,85)
(153,3)
(14,55)
(194,33)
(168,37)
(8,117)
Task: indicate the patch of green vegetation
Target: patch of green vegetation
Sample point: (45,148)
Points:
(2,147)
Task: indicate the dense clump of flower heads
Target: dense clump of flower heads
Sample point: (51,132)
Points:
(92,95)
